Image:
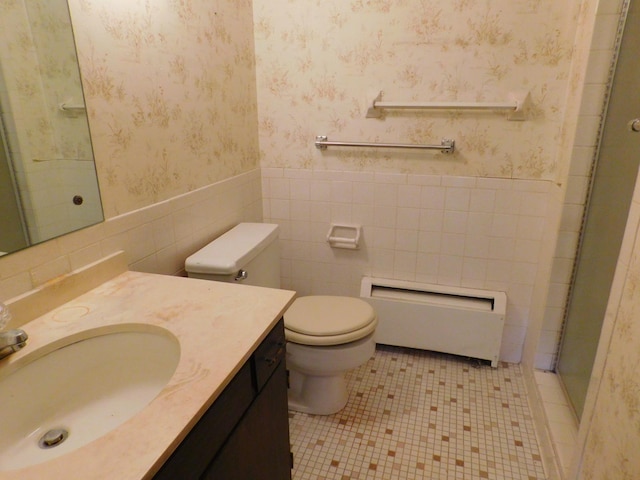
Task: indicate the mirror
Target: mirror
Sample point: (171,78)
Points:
(48,183)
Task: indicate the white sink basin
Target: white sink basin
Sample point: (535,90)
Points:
(85,387)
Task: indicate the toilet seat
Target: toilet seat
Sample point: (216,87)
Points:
(328,320)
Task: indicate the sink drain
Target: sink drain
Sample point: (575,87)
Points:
(53,438)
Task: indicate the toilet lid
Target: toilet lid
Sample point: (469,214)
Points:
(321,315)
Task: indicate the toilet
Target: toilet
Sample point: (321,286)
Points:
(326,335)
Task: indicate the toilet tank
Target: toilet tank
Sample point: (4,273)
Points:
(249,247)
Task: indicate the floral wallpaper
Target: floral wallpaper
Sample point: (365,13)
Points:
(614,432)
(320,64)
(170,90)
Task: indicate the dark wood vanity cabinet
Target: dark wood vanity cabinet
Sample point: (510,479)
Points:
(245,433)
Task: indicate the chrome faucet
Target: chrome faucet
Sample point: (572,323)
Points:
(11,341)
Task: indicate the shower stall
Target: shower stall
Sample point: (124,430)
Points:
(609,199)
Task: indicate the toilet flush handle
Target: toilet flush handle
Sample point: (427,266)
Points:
(241,275)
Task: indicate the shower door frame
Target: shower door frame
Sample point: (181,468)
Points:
(587,208)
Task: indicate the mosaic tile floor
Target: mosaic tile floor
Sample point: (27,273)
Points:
(422,415)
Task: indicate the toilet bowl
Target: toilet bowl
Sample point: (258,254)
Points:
(326,335)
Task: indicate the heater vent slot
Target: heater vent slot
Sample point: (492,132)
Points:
(453,300)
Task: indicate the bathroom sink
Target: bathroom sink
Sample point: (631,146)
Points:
(63,396)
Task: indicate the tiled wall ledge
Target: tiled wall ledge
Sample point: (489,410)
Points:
(155,239)
(463,231)
(551,461)
(560,419)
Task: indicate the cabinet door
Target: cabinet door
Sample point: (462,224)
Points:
(194,454)
(259,446)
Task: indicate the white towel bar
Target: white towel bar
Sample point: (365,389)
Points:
(517,105)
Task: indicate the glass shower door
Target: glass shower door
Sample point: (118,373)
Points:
(611,194)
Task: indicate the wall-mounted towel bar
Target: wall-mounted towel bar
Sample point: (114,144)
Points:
(517,105)
(446,146)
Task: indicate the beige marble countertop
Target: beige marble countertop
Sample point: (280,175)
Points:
(218,326)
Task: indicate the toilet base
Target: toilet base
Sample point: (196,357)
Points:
(317,395)
(317,382)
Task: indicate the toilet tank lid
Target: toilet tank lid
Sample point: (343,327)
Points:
(233,250)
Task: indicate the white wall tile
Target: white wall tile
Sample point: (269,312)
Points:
(553,317)
(356,177)
(279,188)
(502,248)
(427,267)
(431,220)
(571,218)
(429,242)
(299,210)
(385,194)
(479,223)
(363,193)
(163,233)
(499,271)
(530,228)
(362,214)
(598,68)
(280,209)
(480,233)
(581,160)
(450,269)
(300,189)
(561,270)
(477,246)
(457,199)
(427,180)
(432,198)
(409,196)
(296,173)
(406,240)
(534,204)
(408,218)
(382,263)
(504,226)
(404,265)
(454,181)
(482,200)
(452,244)
(342,213)
(494,183)
(383,238)
(577,187)
(342,192)
(320,212)
(474,269)
(385,216)
(320,190)
(455,222)
(271,172)
(391,178)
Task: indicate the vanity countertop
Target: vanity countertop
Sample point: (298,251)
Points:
(218,326)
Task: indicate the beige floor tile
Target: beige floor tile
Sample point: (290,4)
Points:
(421,415)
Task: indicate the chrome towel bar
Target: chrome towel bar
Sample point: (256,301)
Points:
(446,146)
